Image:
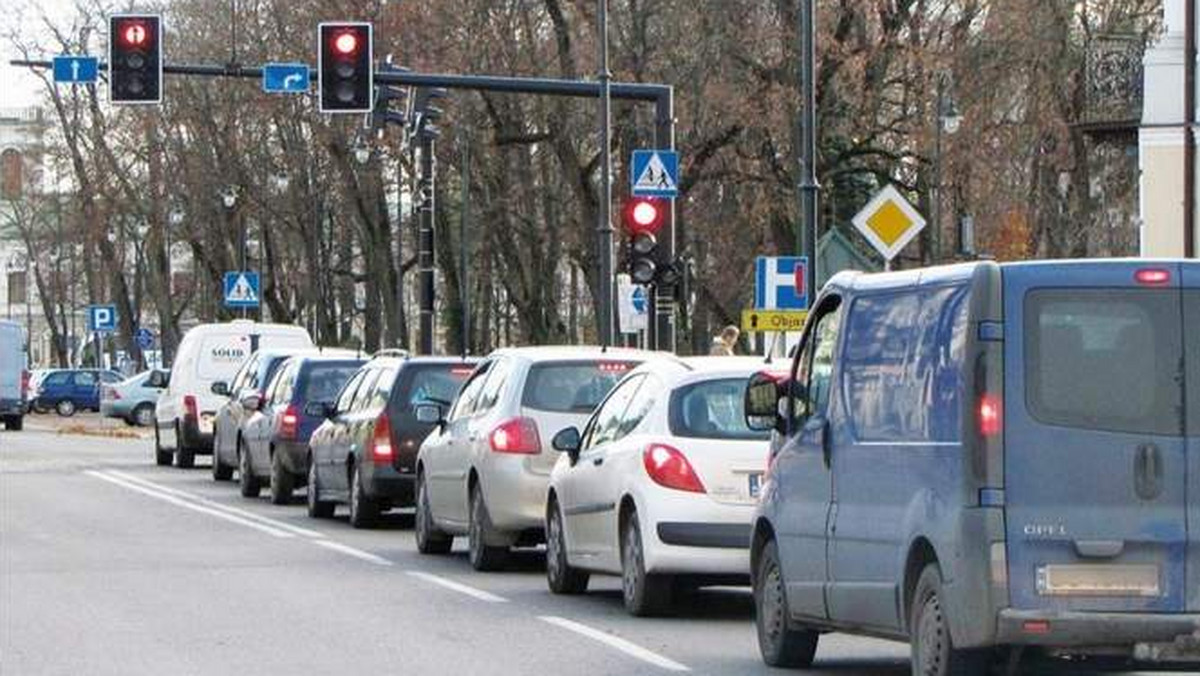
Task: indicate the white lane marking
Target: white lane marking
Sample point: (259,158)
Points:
(460,588)
(305,532)
(188,505)
(631,649)
(351,551)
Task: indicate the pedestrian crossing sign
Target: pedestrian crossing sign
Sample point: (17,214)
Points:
(655,173)
(241,289)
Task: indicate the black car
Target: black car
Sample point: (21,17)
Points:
(365,453)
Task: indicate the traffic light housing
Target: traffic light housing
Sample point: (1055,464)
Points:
(135,62)
(345,67)
(643,219)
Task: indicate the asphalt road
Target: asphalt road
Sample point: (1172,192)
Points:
(109,565)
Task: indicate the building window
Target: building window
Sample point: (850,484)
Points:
(11,174)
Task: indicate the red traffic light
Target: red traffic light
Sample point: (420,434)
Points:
(644,215)
(346,43)
(135,35)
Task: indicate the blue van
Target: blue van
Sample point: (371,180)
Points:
(989,462)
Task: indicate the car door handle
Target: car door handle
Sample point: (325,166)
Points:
(1147,472)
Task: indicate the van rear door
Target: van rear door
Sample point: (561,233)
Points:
(1095,458)
(1191,332)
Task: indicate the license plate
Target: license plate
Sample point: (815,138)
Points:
(1098,580)
(755,482)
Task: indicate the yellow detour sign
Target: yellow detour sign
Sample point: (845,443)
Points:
(889,222)
(767,321)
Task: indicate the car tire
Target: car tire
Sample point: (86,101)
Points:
(65,408)
(560,575)
(933,651)
(143,415)
(364,512)
(185,458)
(645,595)
(161,458)
(282,481)
(430,540)
(317,508)
(220,471)
(249,484)
(781,644)
(482,556)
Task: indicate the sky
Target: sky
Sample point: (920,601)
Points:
(18,87)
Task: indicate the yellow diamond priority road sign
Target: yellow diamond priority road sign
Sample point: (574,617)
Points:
(889,222)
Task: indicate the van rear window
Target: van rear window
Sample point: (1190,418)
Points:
(1105,359)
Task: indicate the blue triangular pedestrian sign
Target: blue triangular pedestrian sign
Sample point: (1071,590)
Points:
(241,289)
(655,173)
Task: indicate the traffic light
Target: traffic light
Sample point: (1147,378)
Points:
(345,67)
(135,59)
(643,219)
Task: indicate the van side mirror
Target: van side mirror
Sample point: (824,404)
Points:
(429,414)
(318,409)
(220,388)
(764,394)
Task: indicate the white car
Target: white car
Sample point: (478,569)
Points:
(660,486)
(208,354)
(483,471)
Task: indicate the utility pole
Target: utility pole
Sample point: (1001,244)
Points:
(1189,132)
(808,227)
(464,293)
(604,229)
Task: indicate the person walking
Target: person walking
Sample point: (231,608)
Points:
(725,342)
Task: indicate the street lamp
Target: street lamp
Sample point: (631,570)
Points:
(949,121)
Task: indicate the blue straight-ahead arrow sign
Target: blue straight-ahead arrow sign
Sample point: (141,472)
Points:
(76,69)
(285,78)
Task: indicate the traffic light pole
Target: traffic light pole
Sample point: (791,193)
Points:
(807,229)
(425,239)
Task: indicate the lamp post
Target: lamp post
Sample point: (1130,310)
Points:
(948,121)
(604,229)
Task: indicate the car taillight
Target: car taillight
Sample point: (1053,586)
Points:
(111,394)
(289,423)
(518,435)
(1152,277)
(380,447)
(991,416)
(189,407)
(614,366)
(669,467)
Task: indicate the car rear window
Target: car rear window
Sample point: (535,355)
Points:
(712,410)
(571,387)
(1105,359)
(432,383)
(324,381)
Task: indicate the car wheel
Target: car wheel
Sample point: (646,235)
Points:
(161,458)
(65,408)
(933,651)
(364,511)
(430,540)
(282,481)
(644,594)
(482,556)
(143,415)
(560,575)
(781,644)
(185,458)
(247,482)
(220,471)
(317,508)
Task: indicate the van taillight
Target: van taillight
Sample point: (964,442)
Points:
(669,467)
(189,407)
(1153,277)
(24,384)
(518,435)
(289,423)
(991,417)
(380,448)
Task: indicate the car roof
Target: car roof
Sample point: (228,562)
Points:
(574,352)
(681,370)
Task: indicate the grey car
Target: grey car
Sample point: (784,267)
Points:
(133,399)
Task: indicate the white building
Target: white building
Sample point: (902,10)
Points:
(22,133)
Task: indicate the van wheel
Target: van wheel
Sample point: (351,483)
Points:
(317,509)
(645,595)
(933,651)
(364,511)
(430,540)
(161,458)
(14,423)
(282,481)
(220,471)
(248,483)
(781,644)
(482,556)
(65,408)
(560,575)
(185,458)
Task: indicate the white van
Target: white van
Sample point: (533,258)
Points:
(208,354)
(14,379)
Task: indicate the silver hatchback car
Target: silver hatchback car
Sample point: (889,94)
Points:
(484,471)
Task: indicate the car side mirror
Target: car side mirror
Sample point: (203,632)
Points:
(220,388)
(429,414)
(318,409)
(567,441)
(764,402)
(251,401)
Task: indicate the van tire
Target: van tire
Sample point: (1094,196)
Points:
(482,556)
(185,458)
(933,651)
(781,643)
(161,458)
(645,594)
(249,484)
(430,539)
(14,423)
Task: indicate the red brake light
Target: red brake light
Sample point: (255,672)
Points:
(991,418)
(381,440)
(518,435)
(1153,277)
(462,371)
(24,384)
(189,407)
(614,366)
(346,43)
(669,467)
(289,423)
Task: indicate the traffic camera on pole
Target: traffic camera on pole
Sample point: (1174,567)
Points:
(643,219)
(345,67)
(135,59)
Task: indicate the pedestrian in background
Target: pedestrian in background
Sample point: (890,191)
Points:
(725,342)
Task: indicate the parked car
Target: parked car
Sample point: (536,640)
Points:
(660,485)
(14,379)
(986,456)
(364,455)
(484,472)
(133,399)
(209,353)
(65,391)
(275,447)
(242,395)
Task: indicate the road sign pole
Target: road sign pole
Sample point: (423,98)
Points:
(808,228)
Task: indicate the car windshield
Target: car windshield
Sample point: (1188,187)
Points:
(575,387)
(712,410)
(326,380)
